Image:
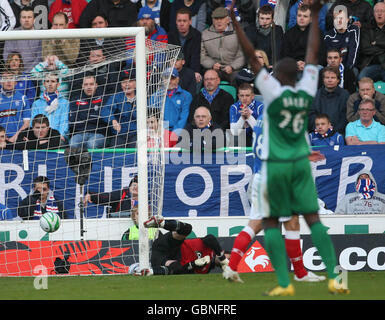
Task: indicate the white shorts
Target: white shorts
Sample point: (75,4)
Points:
(252,193)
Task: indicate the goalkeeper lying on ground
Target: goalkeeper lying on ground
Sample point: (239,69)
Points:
(172,253)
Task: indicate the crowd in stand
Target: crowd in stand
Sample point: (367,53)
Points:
(43,105)
(97,108)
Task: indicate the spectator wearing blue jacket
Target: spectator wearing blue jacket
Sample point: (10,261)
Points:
(119,112)
(87,127)
(15,112)
(177,105)
(244,113)
(324,135)
(53,105)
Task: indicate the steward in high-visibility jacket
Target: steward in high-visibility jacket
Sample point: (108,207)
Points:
(133,233)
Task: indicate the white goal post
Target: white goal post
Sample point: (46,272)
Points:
(141,104)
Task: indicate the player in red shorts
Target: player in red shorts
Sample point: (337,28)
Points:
(172,253)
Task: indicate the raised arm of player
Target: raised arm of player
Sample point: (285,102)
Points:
(313,42)
(245,43)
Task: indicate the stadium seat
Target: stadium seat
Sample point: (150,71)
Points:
(229,88)
(380,86)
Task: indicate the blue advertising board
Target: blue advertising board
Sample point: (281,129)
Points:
(209,185)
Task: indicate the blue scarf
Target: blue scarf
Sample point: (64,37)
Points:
(209,97)
(366,188)
(50,96)
(50,206)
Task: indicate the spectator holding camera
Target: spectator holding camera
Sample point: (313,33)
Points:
(41,201)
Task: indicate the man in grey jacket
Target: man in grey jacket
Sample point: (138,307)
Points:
(220,49)
(366,199)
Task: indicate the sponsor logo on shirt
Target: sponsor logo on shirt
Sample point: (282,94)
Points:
(8,113)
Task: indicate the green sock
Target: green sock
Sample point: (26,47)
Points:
(325,247)
(275,247)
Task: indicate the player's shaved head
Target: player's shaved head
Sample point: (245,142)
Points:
(285,71)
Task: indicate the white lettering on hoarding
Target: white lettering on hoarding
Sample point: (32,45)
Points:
(239,186)
(15,184)
(345,258)
(207,191)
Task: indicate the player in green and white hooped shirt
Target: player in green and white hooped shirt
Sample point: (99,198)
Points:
(287,185)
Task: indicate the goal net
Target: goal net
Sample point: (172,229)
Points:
(81,135)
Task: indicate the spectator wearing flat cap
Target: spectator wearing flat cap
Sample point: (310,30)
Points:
(220,49)
(119,112)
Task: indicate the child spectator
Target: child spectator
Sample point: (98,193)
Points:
(324,135)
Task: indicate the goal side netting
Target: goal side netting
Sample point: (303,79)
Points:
(81,137)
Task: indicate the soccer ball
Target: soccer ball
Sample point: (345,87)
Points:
(50,222)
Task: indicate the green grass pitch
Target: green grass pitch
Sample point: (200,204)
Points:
(363,285)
